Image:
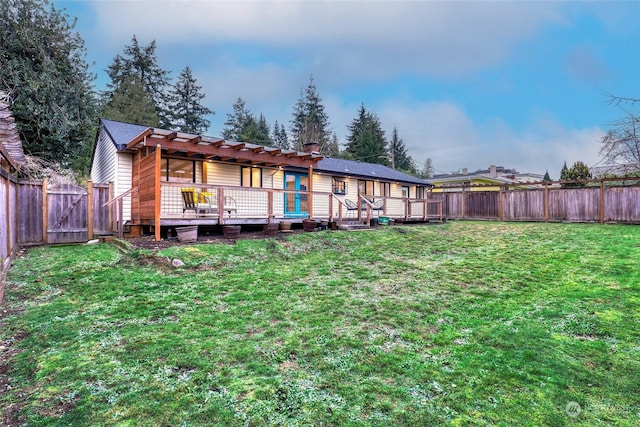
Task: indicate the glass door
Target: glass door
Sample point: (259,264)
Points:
(296,203)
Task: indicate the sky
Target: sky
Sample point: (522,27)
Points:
(466,83)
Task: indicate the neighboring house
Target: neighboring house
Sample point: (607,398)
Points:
(493,179)
(613,170)
(172,178)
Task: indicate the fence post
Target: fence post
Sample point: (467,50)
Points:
(601,201)
(463,204)
(110,224)
(546,201)
(89,210)
(500,206)
(45,212)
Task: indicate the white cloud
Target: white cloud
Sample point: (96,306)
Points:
(445,133)
(357,37)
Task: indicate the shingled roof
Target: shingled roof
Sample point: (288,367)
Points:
(367,170)
(10,144)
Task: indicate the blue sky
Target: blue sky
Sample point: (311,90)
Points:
(466,83)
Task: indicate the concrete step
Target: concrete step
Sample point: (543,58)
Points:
(349,226)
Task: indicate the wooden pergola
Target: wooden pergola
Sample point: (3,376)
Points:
(153,144)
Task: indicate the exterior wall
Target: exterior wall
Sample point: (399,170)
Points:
(123,181)
(109,165)
(103,169)
(223,174)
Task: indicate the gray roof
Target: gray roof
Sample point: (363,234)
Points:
(122,133)
(366,170)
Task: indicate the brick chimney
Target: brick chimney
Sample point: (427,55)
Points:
(492,171)
(311,147)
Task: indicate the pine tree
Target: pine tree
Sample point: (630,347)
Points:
(546,177)
(428,169)
(186,112)
(279,136)
(263,132)
(332,149)
(130,103)
(398,154)
(141,62)
(309,122)
(237,122)
(366,140)
(44,71)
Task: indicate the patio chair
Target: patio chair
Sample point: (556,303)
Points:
(199,203)
(230,205)
(351,205)
(377,205)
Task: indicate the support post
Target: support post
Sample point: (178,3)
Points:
(158,191)
(89,210)
(270,204)
(310,197)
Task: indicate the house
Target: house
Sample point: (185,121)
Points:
(493,179)
(162,178)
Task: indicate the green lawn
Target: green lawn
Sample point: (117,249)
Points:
(465,323)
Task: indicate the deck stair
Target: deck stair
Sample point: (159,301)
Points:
(352,225)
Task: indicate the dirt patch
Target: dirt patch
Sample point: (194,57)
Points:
(205,236)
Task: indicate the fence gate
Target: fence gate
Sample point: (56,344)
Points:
(67,206)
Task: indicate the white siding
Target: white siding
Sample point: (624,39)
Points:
(223,174)
(103,169)
(122,183)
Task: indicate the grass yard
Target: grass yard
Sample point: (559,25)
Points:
(465,323)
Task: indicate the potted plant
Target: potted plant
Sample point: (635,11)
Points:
(309,224)
(271,229)
(231,231)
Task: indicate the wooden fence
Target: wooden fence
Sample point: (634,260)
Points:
(64,213)
(600,201)
(8,224)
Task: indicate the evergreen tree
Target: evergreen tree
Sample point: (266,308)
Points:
(428,169)
(43,70)
(130,103)
(332,149)
(398,154)
(263,132)
(309,123)
(141,62)
(546,177)
(237,122)
(578,171)
(564,172)
(366,140)
(186,112)
(279,136)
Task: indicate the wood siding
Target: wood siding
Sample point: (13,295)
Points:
(620,204)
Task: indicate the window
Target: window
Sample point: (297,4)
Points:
(405,192)
(385,189)
(339,186)
(420,192)
(251,177)
(365,188)
(178,170)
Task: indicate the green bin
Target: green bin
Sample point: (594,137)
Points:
(383,220)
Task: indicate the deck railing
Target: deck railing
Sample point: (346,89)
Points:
(229,204)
